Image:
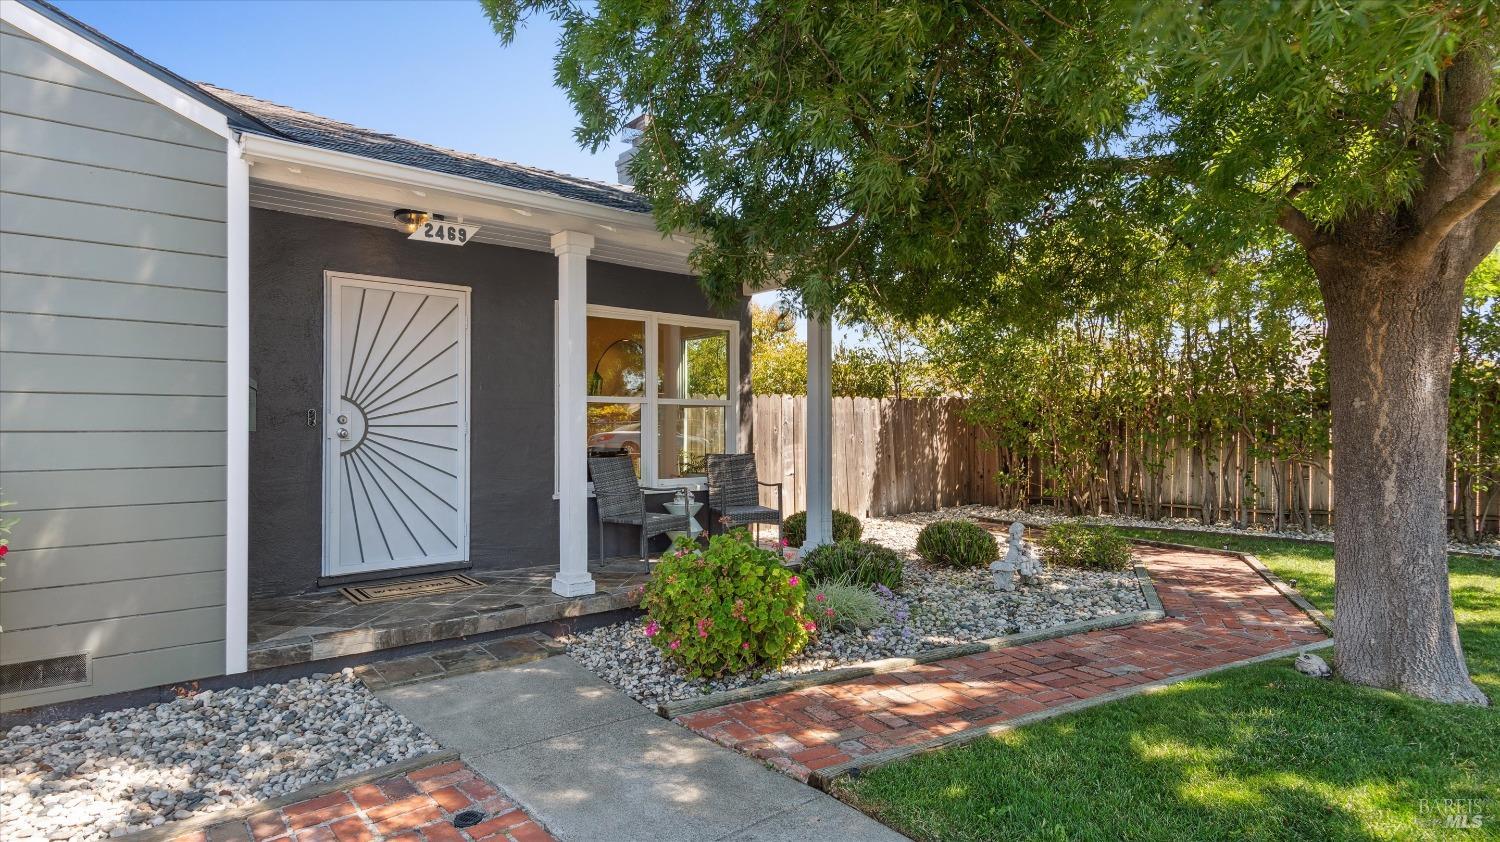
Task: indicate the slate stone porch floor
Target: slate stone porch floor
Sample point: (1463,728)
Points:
(311,627)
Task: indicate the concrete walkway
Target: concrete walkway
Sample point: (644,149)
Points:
(590,763)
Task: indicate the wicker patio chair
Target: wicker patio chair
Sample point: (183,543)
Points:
(734,493)
(620,499)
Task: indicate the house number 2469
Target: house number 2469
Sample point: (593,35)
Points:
(444,232)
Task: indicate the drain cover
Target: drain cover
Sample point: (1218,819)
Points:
(468,818)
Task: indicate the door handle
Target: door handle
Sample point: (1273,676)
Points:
(343,434)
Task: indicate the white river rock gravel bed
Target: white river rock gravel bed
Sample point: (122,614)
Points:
(935,608)
(111,773)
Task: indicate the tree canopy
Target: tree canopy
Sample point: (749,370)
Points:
(923,150)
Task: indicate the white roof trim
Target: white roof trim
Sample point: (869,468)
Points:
(70,43)
(274,149)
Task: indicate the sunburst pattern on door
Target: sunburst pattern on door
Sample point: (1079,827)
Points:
(399,490)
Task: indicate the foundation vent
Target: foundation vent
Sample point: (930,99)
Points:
(44,674)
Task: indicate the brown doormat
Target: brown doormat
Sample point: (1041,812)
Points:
(360,594)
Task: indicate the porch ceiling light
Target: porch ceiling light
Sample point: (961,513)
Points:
(412,219)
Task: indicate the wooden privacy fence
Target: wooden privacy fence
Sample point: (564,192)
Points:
(919,454)
(889,456)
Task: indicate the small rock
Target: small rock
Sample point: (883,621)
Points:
(1310,664)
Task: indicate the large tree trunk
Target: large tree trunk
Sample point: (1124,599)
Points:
(1392,283)
(1392,332)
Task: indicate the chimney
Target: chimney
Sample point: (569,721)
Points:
(634,129)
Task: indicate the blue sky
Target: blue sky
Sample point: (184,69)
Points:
(432,71)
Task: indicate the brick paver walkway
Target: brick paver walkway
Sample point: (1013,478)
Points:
(1219,611)
(411,808)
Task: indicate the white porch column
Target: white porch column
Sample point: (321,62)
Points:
(237,416)
(819,469)
(572,249)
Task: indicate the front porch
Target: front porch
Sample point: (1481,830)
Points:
(371,358)
(310,627)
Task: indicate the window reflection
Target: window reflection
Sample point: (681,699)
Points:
(687,435)
(667,431)
(694,362)
(615,430)
(617,357)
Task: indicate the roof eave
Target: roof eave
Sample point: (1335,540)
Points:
(262,148)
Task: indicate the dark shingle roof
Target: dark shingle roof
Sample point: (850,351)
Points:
(313,130)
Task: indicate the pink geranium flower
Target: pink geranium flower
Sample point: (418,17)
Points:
(793,581)
(674,644)
(652,628)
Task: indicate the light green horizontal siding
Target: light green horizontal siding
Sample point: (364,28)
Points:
(24,372)
(101,300)
(64,103)
(81,604)
(81,451)
(28,569)
(19,53)
(43,372)
(38,175)
(35,412)
(92,527)
(80,145)
(68,220)
(112,382)
(117,636)
(97,261)
(87,489)
(109,338)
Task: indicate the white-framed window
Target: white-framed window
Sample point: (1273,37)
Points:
(662,388)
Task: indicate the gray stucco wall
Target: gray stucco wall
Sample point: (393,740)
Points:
(112,407)
(513,515)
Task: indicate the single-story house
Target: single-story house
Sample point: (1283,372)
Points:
(249,354)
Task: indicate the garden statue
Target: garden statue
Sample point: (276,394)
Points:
(1021,557)
(1003,571)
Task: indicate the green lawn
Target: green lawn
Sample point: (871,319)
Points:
(1254,753)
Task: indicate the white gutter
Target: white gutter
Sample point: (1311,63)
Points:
(260,147)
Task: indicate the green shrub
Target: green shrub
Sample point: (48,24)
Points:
(846,527)
(1087,548)
(861,563)
(845,605)
(957,543)
(729,608)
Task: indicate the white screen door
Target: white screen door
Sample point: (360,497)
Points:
(396,410)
